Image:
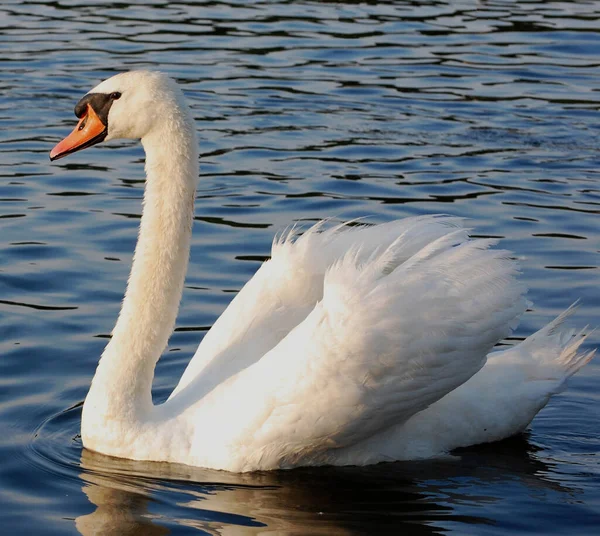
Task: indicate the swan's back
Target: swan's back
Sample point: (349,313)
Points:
(287,287)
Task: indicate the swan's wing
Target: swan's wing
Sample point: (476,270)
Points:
(388,339)
(286,288)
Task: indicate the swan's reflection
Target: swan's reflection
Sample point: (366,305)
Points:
(422,497)
(120,509)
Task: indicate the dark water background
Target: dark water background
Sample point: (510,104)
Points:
(483,109)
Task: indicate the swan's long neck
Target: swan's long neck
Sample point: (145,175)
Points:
(121,388)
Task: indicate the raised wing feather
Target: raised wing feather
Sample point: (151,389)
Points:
(391,336)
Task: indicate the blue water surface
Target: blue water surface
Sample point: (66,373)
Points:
(487,110)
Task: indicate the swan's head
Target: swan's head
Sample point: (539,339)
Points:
(128,105)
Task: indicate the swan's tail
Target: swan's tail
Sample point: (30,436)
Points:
(508,392)
(555,351)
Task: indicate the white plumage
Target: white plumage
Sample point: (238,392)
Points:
(351,345)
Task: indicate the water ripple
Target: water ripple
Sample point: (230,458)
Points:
(305,109)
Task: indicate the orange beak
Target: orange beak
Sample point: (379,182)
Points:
(89,131)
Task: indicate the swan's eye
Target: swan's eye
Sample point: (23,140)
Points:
(116,95)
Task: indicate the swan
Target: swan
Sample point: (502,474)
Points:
(352,345)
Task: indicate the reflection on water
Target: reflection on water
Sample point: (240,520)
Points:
(305,109)
(420,497)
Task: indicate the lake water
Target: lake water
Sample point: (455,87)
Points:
(482,109)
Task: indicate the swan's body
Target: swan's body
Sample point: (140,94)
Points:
(350,346)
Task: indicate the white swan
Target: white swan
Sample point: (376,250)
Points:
(350,346)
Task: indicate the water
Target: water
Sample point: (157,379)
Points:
(483,109)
